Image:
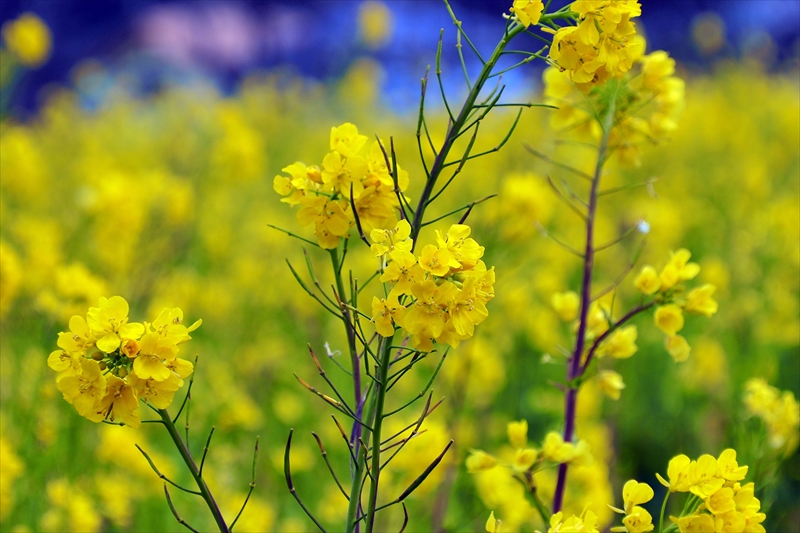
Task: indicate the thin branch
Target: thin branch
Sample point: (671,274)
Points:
(558,241)
(564,166)
(439,75)
(287,471)
(290,234)
(162,476)
(328,463)
(252,486)
(180,520)
(566,200)
(205,449)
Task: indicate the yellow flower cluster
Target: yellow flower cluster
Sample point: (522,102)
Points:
(448,286)
(585,523)
(106,364)
(526,459)
(603,45)
(324,192)
(720,501)
(779,411)
(649,111)
(527,11)
(637,519)
(28,38)
(672,303)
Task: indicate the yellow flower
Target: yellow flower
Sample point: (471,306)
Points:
(518,433)
(721,501)
(479,460)
(586,523)
(678,473)
(554,449)
(85,390)
(437,261)
(678,269)
(701,523)
(424,319)
(346,140)
(157,393)
(703,476)
(153,350)
(169,324)
(340,173)
(638,521)
(465,251)
(524,459)
(28,38)
(635,493)
(700,300)
(611,383)
(404,271)
(669,318)
(528,11)
(329,217)
(120,403)
(621,343)
(109,322)
(729,467)
(677,347)
(566,305)
(395,239)
(384,312)
(647,281)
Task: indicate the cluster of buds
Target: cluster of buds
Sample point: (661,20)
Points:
(602,46)
(325,193)
(672,302)
(527,460)
(106,364)
(440,295)
(778,409)
(647,107)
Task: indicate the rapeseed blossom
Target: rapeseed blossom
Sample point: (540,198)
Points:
(325,192)
(106,365)
(439,295)
(779,410)
(647,102)
(602,46)
(671,302)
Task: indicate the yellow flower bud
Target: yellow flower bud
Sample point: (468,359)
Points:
(524,459)
(677,347)
(566,305)
(669,319)
(621,343)
(518,433)
(479,460)
(700,300)
(611,383)
(648,282)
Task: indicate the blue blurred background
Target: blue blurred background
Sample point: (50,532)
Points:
(179,41)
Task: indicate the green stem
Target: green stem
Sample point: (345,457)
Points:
(380,397)
(455,129)
(663,508)
(198,478)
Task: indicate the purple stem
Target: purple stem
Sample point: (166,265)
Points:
(575,369)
